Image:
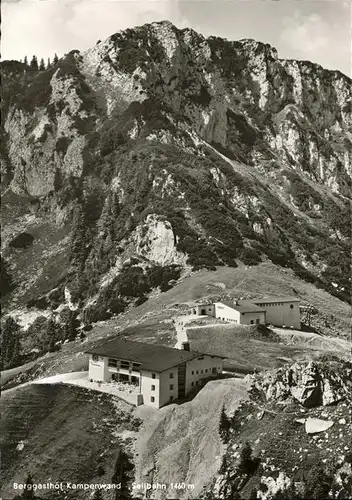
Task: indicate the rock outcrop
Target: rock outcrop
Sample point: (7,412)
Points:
(311,384)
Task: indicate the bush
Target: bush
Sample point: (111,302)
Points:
(6,282)
(22,240)
(248,465)
(133,282)
(10,344)
(62,145)
(224,426)
(37,93)
(250,256)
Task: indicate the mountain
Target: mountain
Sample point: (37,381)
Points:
(159,152)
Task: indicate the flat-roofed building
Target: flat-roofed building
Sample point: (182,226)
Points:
(277,311)
(160,374)
(281,311)
(242,312)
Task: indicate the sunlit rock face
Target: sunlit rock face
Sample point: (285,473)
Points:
(219,148)
(231,93)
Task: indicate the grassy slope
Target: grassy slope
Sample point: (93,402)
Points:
(263,280)
(147,322)
(67,433)
(41,266)
(243,352)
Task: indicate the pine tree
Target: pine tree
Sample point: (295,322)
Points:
(25,60)
(34,63)
(52,334)
(48,64)
(6,283)
(224,426)
(79,238)
(71,327)
(28,493)
(105,221)
(56,59)
(42,65)
(10,343)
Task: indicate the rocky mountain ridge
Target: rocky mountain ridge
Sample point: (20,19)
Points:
(179,152)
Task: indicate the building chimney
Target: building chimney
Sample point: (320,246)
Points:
(185,346)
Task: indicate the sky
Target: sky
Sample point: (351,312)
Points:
(315,30)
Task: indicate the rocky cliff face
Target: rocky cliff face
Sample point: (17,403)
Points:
(179,151)
(312,384)
(270,454)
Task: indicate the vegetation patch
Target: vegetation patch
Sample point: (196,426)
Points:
(62,144)
(37,93)
(137,47)
(22,240)
(98,454)
(258,436)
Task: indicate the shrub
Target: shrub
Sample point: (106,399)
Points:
(250,256)
(22,240)
(6,282)
(62,145)
(248,465)
(133,282)
(37,93)
(224,426)
(10,344)
(95,313)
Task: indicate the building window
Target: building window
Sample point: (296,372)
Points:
(213,370)
(152,399)
(171,387)
(200,358)
(201,371)
(95,357)
(252,322)
(192,384)
(197,372)
(153,387)
(135,380)
(171,398)
(125,364)
(192,372)
(291,306)
(206,371)
(257,321)
(153,375)
(171,375)
(112,362)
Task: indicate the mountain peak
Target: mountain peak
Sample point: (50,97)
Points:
(227,151)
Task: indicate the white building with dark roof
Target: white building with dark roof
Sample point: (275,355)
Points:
(241,312)
(277,311)
(159,374)
(281,311)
